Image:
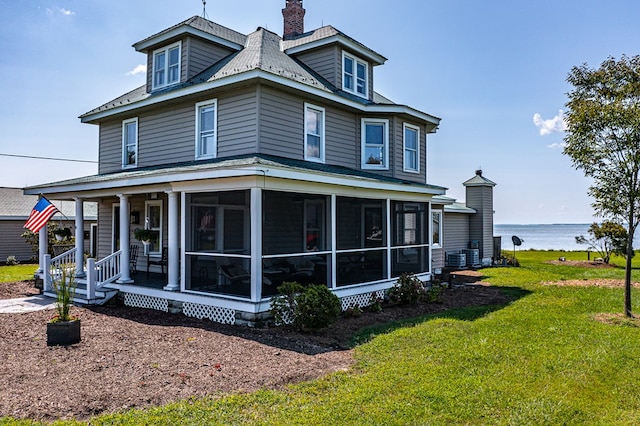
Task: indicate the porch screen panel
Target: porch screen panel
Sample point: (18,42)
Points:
(217,243)
(410,238)
(361,240)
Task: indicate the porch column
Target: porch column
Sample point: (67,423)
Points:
(43,247)
(256,244)
(79,238)
(125,275)
(173,260)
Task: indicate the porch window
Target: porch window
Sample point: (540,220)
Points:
(166,66)
(375,144)
(436,226)
(154,221)
(130,143)
(314,133)
(410,251)
(206,129)
(361,240)
(411,148)
(218,246)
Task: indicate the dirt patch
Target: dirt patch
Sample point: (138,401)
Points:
(141,358)
(601,282)
(582,263)
(617,319)
(17,289)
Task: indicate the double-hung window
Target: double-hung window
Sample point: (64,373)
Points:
(166,66)
(355,74)
(206,129)
(375,144)
(314,133)
(411,148)
(130,142)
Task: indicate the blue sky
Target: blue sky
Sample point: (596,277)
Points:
(494,71)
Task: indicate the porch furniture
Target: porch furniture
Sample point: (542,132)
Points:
(162,261)
(133,258)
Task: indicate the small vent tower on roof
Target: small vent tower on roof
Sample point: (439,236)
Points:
(293,14)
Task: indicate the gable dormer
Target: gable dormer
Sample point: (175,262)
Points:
(341,60)
(178,53)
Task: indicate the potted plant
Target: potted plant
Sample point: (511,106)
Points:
(62,233)
(146,236)
(63,328)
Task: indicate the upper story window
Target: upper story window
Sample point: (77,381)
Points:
(314,133)
(411,148)
(166,66)
(206,129)
(355,74)
(375,144)
(130,142)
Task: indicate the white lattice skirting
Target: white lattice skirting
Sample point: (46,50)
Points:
(362,300)
(149,302)
(214,313)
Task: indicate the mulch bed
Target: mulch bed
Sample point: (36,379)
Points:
(137,358)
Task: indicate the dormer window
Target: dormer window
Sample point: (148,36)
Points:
(355,74)
(166,66)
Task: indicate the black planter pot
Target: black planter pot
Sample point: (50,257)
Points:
(63,333)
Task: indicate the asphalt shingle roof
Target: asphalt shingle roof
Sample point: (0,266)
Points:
(15,205)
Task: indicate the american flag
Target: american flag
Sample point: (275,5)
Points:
(40,215)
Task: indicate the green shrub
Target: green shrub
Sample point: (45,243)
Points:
(353,311)
(408,290)
(307,308)
(283,306)
(316,308)
(433,293)
(375,303)
(12,261)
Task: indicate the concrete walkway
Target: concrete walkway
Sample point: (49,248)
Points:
(26,304)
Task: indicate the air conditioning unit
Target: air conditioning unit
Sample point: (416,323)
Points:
(457,260)
(473,257)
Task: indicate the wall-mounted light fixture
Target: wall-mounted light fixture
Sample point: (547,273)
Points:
(134,217)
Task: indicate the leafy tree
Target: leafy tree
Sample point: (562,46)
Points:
(603,140)
(606,239)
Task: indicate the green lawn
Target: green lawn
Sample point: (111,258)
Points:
(17,273)
(541,360)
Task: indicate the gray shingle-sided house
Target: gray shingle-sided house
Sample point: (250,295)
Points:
(14,211)
(259,159)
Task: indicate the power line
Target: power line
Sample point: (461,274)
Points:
(33,157)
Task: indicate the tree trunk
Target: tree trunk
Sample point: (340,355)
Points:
(627,270)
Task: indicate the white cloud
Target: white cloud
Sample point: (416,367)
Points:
(557,145)
(552,125)
(60,11)
(139,69)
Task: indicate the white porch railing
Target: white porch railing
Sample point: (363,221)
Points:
(53,267)
(99,273)
(102,272)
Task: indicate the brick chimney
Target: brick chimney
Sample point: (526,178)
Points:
(293,14)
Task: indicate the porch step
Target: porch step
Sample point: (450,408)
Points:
(101,296)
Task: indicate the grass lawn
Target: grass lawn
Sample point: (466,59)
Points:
(541,360)
(17,273)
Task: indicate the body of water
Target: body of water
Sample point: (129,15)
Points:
(543,237)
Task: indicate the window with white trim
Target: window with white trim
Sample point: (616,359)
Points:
(153,221)
(130,142)
(313,133)
(411,148)
(375,144)
(166,66)
(436,228)
(206,129)
(355,75)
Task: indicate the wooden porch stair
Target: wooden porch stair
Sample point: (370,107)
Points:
(102,296)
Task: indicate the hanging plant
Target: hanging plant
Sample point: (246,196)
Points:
(145,235)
